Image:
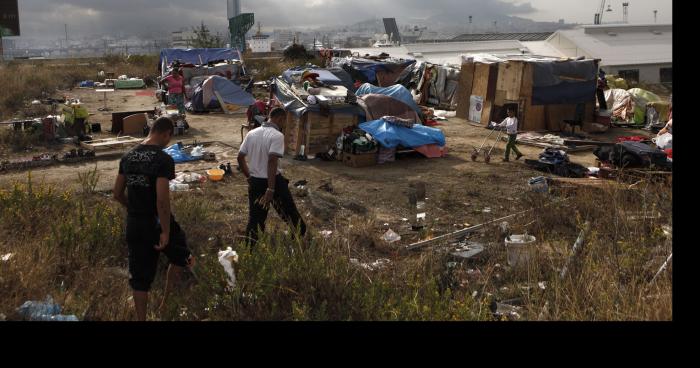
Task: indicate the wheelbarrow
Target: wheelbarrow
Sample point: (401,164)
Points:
(477,151)
(487,156)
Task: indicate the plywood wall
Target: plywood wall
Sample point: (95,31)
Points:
(464,90)
(533,116)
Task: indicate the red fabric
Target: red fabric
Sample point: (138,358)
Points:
(261,107)
(431,123)
(175,85)
(669,153)
(432,151)
(633,139)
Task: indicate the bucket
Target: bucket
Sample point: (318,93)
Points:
(520,249)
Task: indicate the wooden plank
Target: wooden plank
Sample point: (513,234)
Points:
(533,116)
(556,114)
(490,94)
(464,90)
(509,80)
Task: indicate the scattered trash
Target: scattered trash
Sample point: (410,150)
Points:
(326,233)
(667,230)
(43,311)
(542,285)
(486,210)
(391,237)
(578,245)
(7,257)
(179,187)
(376,265)
(475,294)
(404,219)
(301,183)
(519,249)
(502,310)
(538,184)
(663,268)
(227,258)
(468,250)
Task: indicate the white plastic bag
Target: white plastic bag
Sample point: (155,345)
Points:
(665,141)
(390,236)
(227,258)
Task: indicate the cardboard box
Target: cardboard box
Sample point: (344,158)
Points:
(361,160)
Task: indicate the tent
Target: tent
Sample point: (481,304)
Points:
(196,56)
(329,76)
(204,96)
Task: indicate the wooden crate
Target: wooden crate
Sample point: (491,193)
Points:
(317,131)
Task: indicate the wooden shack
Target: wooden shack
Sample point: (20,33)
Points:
(316,130)
(487,88)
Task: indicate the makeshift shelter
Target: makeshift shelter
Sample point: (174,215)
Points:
(381,73)
(329,76)
(396,91)
(196,56)
(544,91)
(315,121)
(438,86)
(207,94)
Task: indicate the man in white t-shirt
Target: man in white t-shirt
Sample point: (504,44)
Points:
(511,124)
(263,147)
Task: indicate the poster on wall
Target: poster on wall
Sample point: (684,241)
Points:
(476,105)
(9,18)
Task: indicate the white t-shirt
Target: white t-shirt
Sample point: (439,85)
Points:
(511,125)
(258,145)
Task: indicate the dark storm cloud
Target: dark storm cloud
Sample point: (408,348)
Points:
(45,18)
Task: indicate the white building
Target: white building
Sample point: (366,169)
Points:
(181,39)
(260,43)
(641,52)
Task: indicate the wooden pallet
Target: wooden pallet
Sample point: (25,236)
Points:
(118,142)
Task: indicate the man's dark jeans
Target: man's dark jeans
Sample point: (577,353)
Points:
(283,202)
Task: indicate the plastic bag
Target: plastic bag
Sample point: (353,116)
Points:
(665,141)
(227,258)
(390,236)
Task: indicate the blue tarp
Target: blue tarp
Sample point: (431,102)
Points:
(564,83)
(396,91)
(191,56)
(392,135)
(230,92)
(175,151)
(369,68)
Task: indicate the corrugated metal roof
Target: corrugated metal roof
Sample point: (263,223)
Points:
(530,36)
(464,47)
(619,44)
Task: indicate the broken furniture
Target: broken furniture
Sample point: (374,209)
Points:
(118,119)
(135,124)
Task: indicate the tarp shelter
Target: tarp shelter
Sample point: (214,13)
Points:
(329,76)
(381,73)
(196,56)
(544,91)
(391,135)
(204,97)
(316,126)
(396,91)
(438,86)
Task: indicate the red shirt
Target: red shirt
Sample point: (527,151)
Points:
(174,84)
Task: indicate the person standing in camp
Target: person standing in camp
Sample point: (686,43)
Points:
(145,173)
(600,90)
(176,89)
(511,124)
(263,147)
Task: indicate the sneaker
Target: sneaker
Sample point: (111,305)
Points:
(518,158)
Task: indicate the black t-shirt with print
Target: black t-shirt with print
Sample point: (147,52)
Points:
(142,166)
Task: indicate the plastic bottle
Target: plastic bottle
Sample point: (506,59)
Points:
(179,187)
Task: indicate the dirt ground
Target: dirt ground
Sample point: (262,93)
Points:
(459,191)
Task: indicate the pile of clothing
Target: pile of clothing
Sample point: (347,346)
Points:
(554,156)
(357,141)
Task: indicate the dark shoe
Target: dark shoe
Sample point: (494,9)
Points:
(518,158)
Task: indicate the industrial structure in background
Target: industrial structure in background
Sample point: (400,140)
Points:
(239,24)
(9,21)
(392,29)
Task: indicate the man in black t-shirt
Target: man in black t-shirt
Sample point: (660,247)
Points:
(145,173)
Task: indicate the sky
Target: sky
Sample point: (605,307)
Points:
(45,19)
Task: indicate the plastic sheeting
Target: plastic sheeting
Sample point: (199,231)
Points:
(641,98)
(204,97)
(621,103)
(396,91)
(370,68)
(192,56)
(175,151)
(391,135)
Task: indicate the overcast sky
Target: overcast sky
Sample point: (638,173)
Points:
(45,18)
